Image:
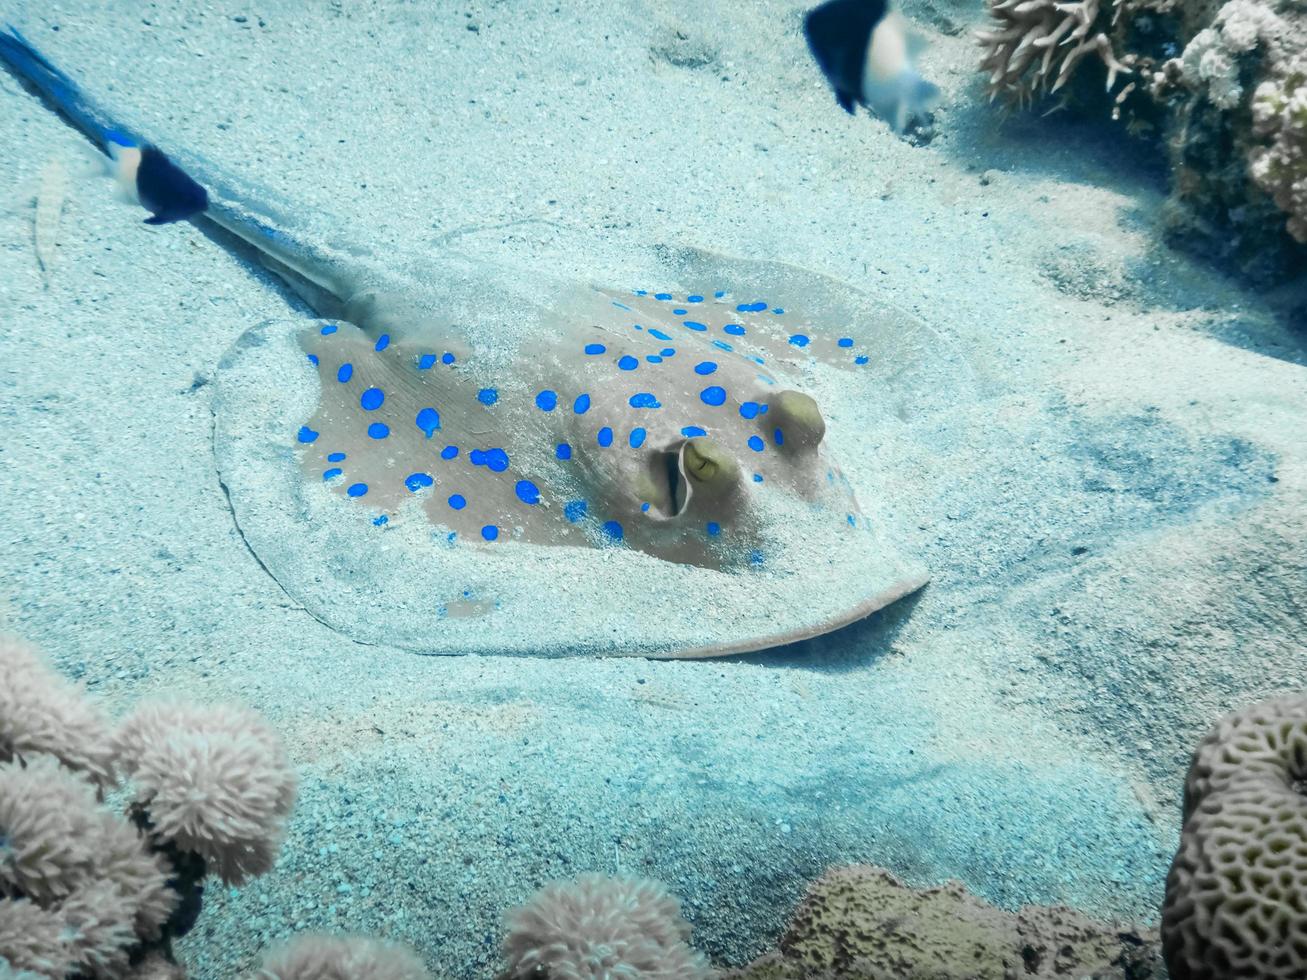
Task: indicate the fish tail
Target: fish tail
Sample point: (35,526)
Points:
(61,92)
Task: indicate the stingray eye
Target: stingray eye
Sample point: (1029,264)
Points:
(707,468)
(798,420)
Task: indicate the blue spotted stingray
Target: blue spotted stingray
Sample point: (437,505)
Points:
(463,456)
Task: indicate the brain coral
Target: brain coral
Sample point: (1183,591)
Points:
(861,923)
(1236,896)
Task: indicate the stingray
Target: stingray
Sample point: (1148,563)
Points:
(457,455)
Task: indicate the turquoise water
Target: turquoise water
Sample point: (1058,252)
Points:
(1090,443)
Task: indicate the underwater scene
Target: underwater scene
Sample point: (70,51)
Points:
(649,490)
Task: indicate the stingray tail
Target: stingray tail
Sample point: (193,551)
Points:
(62,93)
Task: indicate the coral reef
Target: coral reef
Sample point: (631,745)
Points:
(1220,85)
(594,927)
(1280,119)
(861,923)
(87,892)
(1034,47)
(1236,896)
(315,956)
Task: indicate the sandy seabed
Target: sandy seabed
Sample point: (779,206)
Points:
(1113,519)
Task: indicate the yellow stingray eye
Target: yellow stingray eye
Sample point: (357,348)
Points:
(799,420)
(708,464)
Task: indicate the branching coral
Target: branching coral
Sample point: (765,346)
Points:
(84,891)
(1036,45)
(594,928)
(314,956)
(1280,169)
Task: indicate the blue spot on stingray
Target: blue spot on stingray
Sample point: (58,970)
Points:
(446,358)
(850,519)
(749,410)
(693,325)
(613,530)
(757,478)
(457,501)
(667,352)
(644,508)
(487,396)
(778,311)
(593,349)
(799,340)
(332,473)
(329,329)
(662,295)
(659,334)
(751,307)
(722,345)
(705,367)
(547,400)
(690,431)
(527,492)
(379,520)
(563,451)
(371,399)
(425,361)
(642,292)
(715,395)
(636,326)
(720,293)
(755,557)
(637,438)
(378,430)
(756,443)
(490,532)
(694,299)
(306,434)
(581,405)
(335,457)
(383,342)
(574,510)
(845,341)
(357,489)
(495,459)
(860,359)
(416,481)
(344,373)
(605,437)
(621,306)
(627,363)
(713,528)
(734,329)
(756,359)
(653,359)
(679,312)
(762,409)
(644,399)
(313,358)
(779,436)
(428,420)
(449,452)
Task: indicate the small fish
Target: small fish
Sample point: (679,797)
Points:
(868,54)
(150,179)
(50,198)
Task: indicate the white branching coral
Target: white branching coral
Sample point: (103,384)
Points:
(1210,62)
(215,781)
(1035,46)
(594,927)
(83,891)
(317,956)
(1280,169)
(41,713)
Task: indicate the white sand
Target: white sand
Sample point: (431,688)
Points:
(1114,516)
